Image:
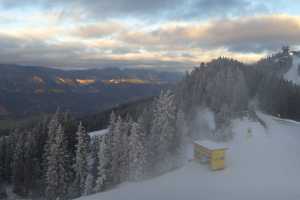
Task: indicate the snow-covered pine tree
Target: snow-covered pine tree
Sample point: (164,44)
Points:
(162,131)
(92,165)
(108,152)
(81,162)
(18,165)
(137,152)
(102,163)
(116,149)
(8,151)
(56,174)
(51,134)
(124,154)
(52,128)
(180,138)
(30,163)
(89,184)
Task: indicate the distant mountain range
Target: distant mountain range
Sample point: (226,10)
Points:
(26,90)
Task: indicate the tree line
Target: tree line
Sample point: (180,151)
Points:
(57,159)
(230,88)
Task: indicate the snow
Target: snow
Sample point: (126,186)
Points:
(210,118)
(203,121)
(211,145)
(292,75)
(261,164)
(98,133)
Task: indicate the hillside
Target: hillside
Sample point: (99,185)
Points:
(293,74)
(150,138)
(100,120)
(28,90)
(263,166)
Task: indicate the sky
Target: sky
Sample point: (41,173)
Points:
(166,34)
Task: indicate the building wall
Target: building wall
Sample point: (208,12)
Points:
(215,158)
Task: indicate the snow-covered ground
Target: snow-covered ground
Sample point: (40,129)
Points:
(98,133)
(293,75)
(263,164)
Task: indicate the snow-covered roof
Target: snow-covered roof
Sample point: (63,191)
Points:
(98,133)
(211,145)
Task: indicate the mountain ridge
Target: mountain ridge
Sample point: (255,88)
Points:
(30,89)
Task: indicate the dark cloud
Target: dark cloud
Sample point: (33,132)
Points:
(255,34)
(170,9)
(33,51)
(129,7)
(72,55)
(225,7)
(243,35)
(150,9)
(208,9)
(101,8)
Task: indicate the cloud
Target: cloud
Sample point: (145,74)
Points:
(117,42)
(148,9)
(249,34)
(98,30)
(104,54)
(167,9)
(223,8)
(26,51)
(20,50)
(100,8)
(253,34)
(129,7)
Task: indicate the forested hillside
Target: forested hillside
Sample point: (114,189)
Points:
(26,90)
(230,88)
(144,139)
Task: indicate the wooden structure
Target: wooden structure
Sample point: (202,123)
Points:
(210,152)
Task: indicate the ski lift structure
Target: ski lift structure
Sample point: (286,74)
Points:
(211,153)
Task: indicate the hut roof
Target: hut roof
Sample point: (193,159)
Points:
(211,145)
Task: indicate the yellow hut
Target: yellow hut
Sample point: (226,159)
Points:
(210,152)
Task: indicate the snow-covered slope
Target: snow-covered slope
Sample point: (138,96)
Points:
(263,164)
(292,74)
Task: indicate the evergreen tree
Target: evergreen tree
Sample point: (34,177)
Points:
(57,170)
(124,147)
(18,165)
(51,134)
(102,164)
(89,184)
(92,165)
(116,149)
(163,131)
(81,162)
(180,138)
(107,145)
(137,152)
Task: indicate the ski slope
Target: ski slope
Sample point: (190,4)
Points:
(262,165)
